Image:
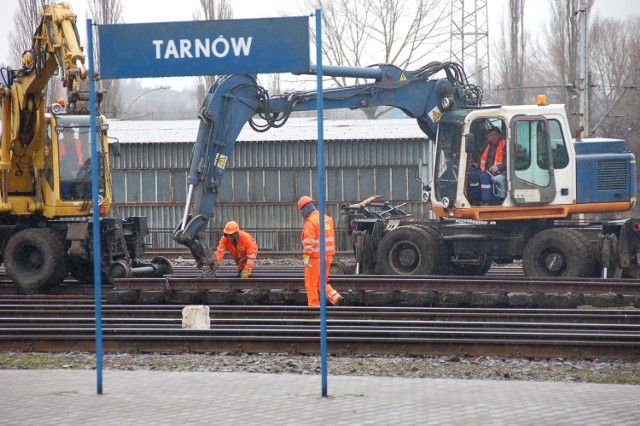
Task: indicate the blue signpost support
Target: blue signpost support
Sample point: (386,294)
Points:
(321,195)
(97,273)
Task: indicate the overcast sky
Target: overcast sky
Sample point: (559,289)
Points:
(165,10)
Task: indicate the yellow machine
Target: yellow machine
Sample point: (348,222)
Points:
(45,170)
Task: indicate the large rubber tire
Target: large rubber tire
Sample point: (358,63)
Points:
(558,253)
(35,260)
(440,250)
(409,250)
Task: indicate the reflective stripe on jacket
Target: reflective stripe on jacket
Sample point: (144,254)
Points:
(311,235)
(245,251)
(499,157)
(77,143)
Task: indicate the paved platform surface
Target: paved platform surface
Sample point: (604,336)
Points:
(69,397)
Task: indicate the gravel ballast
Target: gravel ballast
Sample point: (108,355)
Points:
(482,368)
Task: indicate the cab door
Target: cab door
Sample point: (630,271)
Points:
(531,168)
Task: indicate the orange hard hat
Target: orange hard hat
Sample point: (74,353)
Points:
(304,200)
(61,101)
(231,227)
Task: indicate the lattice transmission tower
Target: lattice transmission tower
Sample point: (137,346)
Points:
(470,39)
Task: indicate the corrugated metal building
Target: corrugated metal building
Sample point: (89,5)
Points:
(267,174)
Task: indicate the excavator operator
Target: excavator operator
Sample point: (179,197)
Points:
(241,245)
(71,156)
(490,171)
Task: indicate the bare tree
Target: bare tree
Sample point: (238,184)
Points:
(107,12)
(358,33)
(26,19)
(513,62)
(615,78)
(361,32)
(210,10)
(517,44)
(557,62)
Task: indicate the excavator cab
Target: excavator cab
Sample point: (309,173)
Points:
(68,166)
(535,149)
(447,160)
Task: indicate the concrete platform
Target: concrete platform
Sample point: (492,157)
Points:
(69,397)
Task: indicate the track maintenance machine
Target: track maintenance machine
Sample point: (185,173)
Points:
(45,171)
(549,178)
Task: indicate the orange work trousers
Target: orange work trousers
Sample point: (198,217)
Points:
(312,280)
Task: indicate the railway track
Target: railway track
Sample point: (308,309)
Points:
(34,325)
(284,285)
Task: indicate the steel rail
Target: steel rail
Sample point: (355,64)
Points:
(390,283)
(428,331)
(37,309)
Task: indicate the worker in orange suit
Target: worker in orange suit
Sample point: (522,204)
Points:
(71,155)
(311,252)
(241,245)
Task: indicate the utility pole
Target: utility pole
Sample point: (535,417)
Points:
(469,38)
(583,18)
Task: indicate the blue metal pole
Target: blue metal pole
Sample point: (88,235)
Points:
(96,208)
(321,195)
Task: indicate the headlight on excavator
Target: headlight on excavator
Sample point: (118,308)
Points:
(446,203)
(57,107)
(447,103)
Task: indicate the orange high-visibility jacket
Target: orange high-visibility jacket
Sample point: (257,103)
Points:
(78,149)
(244,253)
(499,154)
(311,235)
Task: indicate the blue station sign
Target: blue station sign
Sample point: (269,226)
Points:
(174,49)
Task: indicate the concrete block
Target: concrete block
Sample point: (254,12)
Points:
(282,297)
(489,300)
(353,297)
(606,300)
(417,298)
(519,300)
(187,297)
(196,317)
(301,298)
(253,296)
(564,301)
(380,298)
(152,297)
(455,299)
(122,297)
(220,297)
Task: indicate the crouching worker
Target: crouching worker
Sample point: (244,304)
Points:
(241,245)
(311,252)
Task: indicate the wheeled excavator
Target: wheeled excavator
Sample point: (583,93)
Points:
(551,178)
(45,171)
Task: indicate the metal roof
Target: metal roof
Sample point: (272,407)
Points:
(296,128)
